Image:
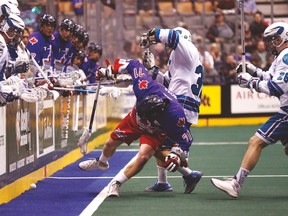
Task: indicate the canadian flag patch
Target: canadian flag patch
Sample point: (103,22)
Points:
(33,40)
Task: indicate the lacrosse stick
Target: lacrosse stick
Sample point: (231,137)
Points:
(83,140)
(23,47)
(65,118)
(74,89)
(76,111)
(241,7)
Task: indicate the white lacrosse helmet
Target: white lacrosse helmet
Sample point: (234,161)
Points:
(184,33)
(15,10)
(12,2)
(14,22)
(275,31)
(5,10)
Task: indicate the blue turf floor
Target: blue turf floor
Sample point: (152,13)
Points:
(66,196)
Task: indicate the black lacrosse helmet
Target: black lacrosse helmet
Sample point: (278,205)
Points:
(47,19)
(95,47)
(151,107)
(85,39)
(67,24)
(81,54)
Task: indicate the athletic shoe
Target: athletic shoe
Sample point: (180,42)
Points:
(229,186)
(114,189)
(159,187)
(92,164)
(191,180)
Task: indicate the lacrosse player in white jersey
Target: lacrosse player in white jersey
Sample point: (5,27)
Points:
(273,82)
(183,78)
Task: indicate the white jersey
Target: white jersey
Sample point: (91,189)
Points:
(4,57)
(275,80)
(185,72)
(22,54)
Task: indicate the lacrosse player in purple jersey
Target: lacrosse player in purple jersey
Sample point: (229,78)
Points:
(157,114)
(39,43)
(90,65)
(61,45)
(273,82)
(183,78)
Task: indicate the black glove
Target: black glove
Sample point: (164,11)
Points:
(21,66)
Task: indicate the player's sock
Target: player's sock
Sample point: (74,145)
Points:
(103,159)
(121,177)
(242,175)
(162,174)
(184,170)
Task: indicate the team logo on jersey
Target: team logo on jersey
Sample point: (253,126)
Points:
(181,122)
(285,59)
(119,133)
(143,84)
(33,40)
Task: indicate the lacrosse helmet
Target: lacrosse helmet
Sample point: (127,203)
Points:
(67,24)
(78,29)
(78,34)
(184,33)
(151,107)
(81,55)
(6,9)
(15,10)
(12,2)
(86,39)
(47,19)
(276,31)
(95,47)
(13,22)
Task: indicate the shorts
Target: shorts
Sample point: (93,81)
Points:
(275,129)
(128,131)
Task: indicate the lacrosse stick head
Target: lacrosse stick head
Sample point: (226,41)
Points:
(83,140)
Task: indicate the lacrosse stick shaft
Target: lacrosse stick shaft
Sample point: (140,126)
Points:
(76,111)
(241,7)
(74,89)
(94,107)
(35,63)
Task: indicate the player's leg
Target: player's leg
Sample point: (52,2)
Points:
(191,178)
(232,186)
(124,132)
(162,184)
(144,154)
(102,162)
(270,132)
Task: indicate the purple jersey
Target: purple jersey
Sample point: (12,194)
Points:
(172,120)
(90,67)
(40,48)
(61,56)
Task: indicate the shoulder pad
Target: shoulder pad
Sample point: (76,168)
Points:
(285,59)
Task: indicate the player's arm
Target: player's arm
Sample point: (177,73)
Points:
(275,87)
(253,71)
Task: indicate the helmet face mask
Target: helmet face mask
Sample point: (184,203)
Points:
(270,45)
